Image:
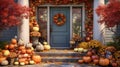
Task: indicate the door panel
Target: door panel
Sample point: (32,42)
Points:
(60,35)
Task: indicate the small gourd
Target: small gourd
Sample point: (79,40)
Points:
(6,52)
(13,41)
(72,42)
(87,59)
(47,47)
(75,49)
(85,50)
(31,62)
(16,63)
(2,59)
(22,63)
(4,62)
(80,49)
(39,47)
(36,29)
(29,51)
(45,43)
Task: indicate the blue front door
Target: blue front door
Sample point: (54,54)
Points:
(60,35)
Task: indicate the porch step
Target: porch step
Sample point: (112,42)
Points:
(60,59)
(60,56)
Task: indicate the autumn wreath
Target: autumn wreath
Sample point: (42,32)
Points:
(59,19)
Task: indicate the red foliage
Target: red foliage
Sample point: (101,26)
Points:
(10,13)
(109,13)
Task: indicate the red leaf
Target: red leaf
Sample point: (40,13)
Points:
(109,13)
(10,12)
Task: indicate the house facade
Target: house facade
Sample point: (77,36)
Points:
(76,17)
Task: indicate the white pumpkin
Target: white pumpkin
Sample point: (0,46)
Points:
(72,42)
(45,43)
(47,47)
(29,45)
(31,62)
(39,47)
(16,63)
(36,29)
(22,63)
(75,49)
(25,55)
(20,42)
(80,49)
(4,62)
(32,48)
(85,50)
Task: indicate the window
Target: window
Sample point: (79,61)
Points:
(77,21)
(42,21)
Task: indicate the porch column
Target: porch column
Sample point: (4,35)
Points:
(23,28)
(98,29)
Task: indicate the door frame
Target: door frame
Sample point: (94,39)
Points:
(48,16)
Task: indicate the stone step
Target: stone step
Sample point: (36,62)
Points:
(60,56)
(60,59)
(60,53)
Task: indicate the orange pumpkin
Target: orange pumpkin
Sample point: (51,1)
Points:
(22,59)
(29,51)
(21,47)
(89,53)
(95,61)
(11,46)
(87,59)
(6,46)
(6,52)
(23,51)
(36,58)
(104,61)
(13,41)
(26,62)
(2,59)
(80,61)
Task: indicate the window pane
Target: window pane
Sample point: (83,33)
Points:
(106,1)
(42,20)
(76,20)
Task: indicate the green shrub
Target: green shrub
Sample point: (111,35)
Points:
(117,46)
(2,44)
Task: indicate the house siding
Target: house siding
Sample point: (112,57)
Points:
(6,35)
(108,37)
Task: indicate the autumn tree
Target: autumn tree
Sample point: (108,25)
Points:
(109,13)
(11,13)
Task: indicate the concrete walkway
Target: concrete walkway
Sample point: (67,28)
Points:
(55,65)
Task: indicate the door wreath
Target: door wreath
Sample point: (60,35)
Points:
(59,19)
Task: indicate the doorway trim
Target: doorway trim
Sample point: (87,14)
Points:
(48,18)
